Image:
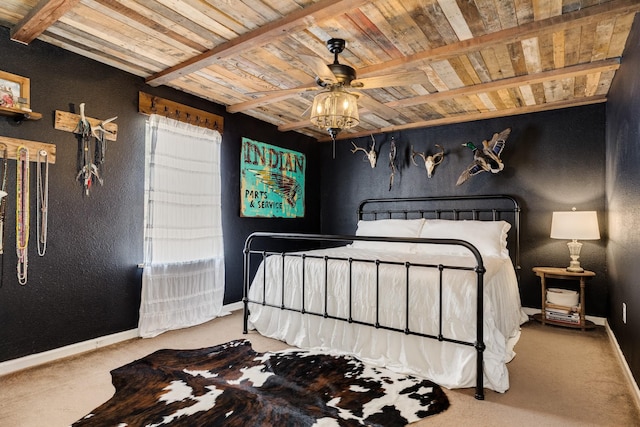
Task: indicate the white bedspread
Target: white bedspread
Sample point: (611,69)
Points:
(448,364)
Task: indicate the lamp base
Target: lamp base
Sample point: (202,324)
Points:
(574,269)
(574,253)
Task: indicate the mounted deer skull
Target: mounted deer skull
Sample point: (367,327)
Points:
(430,162)
(370,155)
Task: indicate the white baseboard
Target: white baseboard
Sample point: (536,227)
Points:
(36,359)
(234,306)
(600,321)
(625,365)
(70,350)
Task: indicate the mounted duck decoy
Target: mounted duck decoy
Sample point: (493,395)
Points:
(493,149)
(480,164)
(488,159)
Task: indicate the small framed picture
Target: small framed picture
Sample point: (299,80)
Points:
(14,91)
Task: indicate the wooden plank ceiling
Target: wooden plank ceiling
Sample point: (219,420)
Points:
(421,62)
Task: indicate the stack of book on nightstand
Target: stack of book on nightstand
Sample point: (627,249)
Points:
(566,316)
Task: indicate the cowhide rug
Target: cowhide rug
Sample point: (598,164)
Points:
(233,385)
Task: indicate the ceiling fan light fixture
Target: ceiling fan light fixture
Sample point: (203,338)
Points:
(335,110)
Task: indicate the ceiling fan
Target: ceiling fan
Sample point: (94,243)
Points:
(342,77)
(335,79)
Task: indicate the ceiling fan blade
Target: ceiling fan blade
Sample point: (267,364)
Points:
(292,91)
(377,107)
(398,79)
(306,111)
(268,97)
(320,68)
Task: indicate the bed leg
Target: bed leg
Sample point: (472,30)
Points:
(245,285)
(479,345)
(479,371)
(245,329)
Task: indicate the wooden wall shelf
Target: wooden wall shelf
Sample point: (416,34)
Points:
(19,115)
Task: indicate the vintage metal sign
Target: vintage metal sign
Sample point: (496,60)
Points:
(271,181)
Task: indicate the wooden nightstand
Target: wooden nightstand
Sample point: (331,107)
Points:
(562,273)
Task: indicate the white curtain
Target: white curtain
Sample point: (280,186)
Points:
(183,276)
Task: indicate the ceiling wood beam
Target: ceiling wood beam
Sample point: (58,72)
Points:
(528,79)
(297,20)
(598,99)
(584,16)
(279,95)
(559,74)
(41,17)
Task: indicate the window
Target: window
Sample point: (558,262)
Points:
(183,278)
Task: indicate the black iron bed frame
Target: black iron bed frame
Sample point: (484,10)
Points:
(445,207)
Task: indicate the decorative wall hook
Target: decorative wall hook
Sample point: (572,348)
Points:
(150,104)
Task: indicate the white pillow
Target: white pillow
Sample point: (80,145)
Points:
(489,237)
(389,228)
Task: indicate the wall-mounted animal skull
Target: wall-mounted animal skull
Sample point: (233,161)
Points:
(370,155)
(431,161)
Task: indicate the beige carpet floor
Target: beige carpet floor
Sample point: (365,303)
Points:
(560,377)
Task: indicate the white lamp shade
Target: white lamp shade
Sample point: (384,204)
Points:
(575,225)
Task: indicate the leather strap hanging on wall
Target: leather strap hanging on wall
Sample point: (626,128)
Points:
(150,104)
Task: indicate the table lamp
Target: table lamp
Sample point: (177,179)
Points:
(574,225)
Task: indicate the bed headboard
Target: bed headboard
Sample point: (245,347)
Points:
(480,208)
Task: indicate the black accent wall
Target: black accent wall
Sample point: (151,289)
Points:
(623,201)
(88,283)
(553,161)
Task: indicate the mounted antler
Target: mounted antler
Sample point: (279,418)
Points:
(430,162)
(370,155)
